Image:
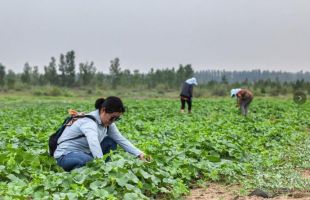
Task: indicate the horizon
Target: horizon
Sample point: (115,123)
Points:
(41,69)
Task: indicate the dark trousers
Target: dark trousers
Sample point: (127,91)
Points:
(244,106)
(188,101)
(74,160)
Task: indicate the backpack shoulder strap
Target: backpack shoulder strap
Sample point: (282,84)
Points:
(78,117)
(91,117)
(87,116)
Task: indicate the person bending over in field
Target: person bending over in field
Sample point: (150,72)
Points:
(187,94)
(244,98)
(100,137)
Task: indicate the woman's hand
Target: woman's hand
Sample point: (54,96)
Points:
(144,157)
(141,156)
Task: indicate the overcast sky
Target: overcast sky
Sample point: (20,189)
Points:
(209,34)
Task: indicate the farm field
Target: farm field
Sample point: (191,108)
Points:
(269,149)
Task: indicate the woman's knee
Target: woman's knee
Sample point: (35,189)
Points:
(75,160)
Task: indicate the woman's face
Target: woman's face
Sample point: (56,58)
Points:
(108,118)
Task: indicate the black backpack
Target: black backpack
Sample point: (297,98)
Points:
(53,139)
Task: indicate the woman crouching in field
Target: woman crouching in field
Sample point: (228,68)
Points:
(244,98)
(100,137)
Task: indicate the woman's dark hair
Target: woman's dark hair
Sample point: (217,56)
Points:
(110,104)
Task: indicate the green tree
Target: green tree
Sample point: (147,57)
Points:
(67,69)
(183,73)
(151,79)
(188,71)
(87,73)
(70,68)
(224,80)
(180,75)
(50,72)
(26,75)
(170,78)
(2,75)
(101,79)
(35,77)
(126,77)
(11,79)
(115,72)
(136,77)
(62,70)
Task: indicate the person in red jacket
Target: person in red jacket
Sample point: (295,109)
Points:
(244,98)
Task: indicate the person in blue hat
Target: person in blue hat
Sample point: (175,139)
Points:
(187,94)
(244,98)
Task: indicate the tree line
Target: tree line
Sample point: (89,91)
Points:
(254,75)
(65,73)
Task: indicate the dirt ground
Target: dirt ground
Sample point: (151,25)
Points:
(221,192)
(306,173)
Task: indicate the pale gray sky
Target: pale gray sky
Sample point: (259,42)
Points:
(209,34)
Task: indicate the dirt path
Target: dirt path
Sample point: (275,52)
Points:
(221,192)
(306,174)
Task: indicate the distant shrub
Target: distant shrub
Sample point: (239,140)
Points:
(161,92)
(219,91)
(284,91)
(99,92)
(20,87)
(89,91)
(67,93)
(274,92)
(161,89)
(37,93)
(257,92)
(198,92)
(54,91)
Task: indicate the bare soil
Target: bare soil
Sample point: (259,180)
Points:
(305,173)
(220,192)
(232,192)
